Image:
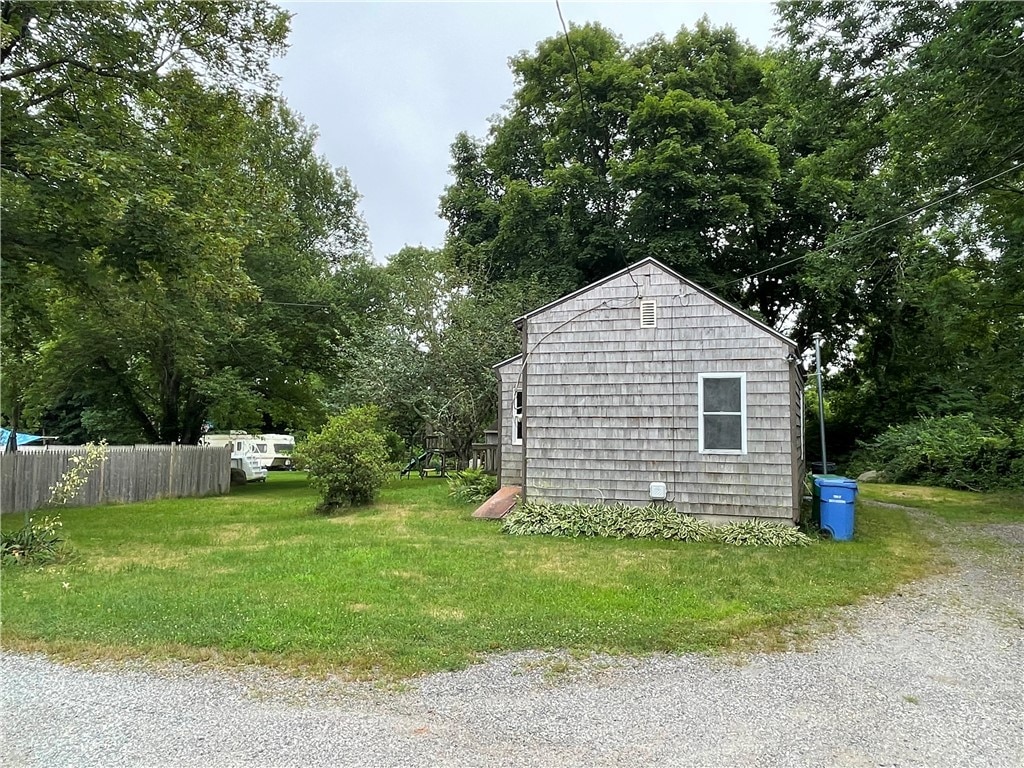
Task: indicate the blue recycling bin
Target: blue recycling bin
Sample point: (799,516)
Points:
(837,499)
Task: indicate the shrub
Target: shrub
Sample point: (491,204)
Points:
(37,543)
(472,486)
(396,448)
(347,460)
(951,451)
(651,522)
(40,542)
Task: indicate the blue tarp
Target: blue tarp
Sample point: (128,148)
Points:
(23,439)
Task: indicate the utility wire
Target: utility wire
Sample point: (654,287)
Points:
(833,246)
(293,304)
(576,73)
(586,112)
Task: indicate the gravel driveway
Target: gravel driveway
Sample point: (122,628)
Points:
(930,677)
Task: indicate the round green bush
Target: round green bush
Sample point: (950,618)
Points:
(347,460)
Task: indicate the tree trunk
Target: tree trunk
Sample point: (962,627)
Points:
(137,411)
(170,429)
(12,439)
(193,418)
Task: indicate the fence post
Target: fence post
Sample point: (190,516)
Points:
(170,473)
(103,480)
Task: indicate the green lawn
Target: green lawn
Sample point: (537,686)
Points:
(414,584)
(955,506)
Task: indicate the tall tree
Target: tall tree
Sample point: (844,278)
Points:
(428,361)
(925,98)
(192,246)
(683,149)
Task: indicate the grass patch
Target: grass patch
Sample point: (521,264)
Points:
(954,506)
(413,584)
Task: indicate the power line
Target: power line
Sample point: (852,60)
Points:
(294,304)
(833,246)
(586,112)
(572,55)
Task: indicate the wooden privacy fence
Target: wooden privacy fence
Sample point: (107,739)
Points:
(129,473)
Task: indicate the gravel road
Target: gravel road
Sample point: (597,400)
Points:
(929,677)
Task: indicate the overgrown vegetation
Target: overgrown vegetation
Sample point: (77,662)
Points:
(40,542)
(472,486)
(347,460)
(414,584)
(654,521)
(949,451)
(80,468)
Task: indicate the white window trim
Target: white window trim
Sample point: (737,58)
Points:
(743,413)
(517,417)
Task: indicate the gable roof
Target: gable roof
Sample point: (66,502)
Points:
(650,260)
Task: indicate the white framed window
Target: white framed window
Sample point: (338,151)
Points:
(722,405)
(517,417)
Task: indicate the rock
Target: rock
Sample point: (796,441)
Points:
(871,476)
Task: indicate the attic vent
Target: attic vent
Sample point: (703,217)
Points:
(648,314)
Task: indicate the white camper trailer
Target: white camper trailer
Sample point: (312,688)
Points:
(245,458)
(266,451)
(240,442)
(243,468)
(279,451)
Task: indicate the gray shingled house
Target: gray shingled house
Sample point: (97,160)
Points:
(645,385)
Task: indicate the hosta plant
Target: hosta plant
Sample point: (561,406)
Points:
(653,521)
(472,486)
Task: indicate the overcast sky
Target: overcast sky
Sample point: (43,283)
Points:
(390,84)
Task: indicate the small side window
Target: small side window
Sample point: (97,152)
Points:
(517,417)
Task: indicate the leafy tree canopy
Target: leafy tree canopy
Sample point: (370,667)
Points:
(919,105)
(683,149)
(426,360)
(864,180)
(173,249)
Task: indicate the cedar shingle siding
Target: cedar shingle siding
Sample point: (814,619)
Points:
(510,463)
(611,406)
